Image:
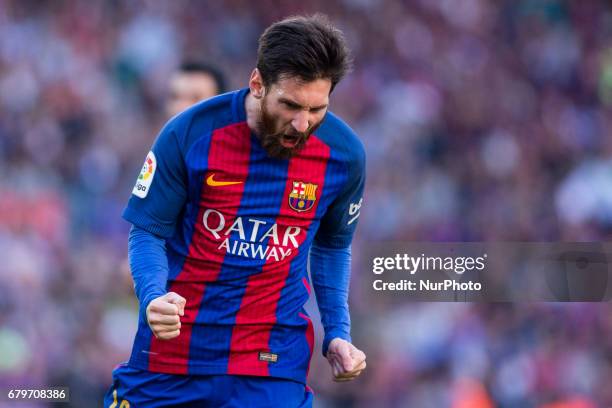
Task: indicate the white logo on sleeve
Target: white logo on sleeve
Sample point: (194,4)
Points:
(354,211)
(141,189)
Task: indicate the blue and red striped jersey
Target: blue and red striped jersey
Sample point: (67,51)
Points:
(238,226)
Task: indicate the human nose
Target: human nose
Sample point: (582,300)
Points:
(300,121)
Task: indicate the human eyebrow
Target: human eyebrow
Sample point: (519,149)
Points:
(294,105)
(290,103)
(318,108)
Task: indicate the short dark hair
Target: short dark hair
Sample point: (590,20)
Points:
(307,47)
(192,66)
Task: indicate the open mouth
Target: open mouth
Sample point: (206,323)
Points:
(289,141)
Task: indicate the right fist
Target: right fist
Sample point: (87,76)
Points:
(163,315)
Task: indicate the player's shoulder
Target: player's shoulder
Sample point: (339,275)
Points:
(341,138)
(203,118)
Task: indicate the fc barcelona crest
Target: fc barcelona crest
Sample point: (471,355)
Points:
(303,196)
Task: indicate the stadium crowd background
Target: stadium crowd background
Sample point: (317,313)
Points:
(483,120)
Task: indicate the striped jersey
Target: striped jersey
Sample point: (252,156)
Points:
(238,226)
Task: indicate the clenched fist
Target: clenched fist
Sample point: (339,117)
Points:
(346,360)
(164,315)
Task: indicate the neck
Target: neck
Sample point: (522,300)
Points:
(252,107)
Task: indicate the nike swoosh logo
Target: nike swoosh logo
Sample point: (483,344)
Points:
(214,183)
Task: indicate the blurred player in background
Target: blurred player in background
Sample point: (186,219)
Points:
(236,195)
(193,82)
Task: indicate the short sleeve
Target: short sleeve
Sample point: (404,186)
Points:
(340,220)
(160,192)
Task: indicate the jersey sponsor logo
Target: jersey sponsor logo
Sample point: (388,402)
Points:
(214,183)
(269,357)
(145,178)
(354,211)
(251,237)
(303,196)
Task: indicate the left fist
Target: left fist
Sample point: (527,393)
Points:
(346,360)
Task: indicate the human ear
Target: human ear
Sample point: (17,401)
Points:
(256,84)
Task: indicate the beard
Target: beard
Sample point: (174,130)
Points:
(271,139)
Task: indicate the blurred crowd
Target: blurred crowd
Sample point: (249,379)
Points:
(483,121)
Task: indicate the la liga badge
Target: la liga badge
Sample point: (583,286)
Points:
(141,189)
